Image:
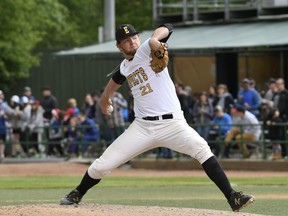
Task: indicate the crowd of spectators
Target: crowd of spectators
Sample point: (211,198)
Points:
(39,126)
(36,127)
(225,120)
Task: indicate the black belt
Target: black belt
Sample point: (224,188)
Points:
(155,118)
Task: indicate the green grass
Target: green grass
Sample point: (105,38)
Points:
(42,182)
(184,192)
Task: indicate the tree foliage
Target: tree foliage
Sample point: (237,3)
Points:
(85,16)
(31,25)
(25,25)
(138,13)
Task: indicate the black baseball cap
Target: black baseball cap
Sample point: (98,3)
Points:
(124,31)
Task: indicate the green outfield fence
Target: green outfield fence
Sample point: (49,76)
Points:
(260,148)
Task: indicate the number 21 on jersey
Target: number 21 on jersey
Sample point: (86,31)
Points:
(146,89)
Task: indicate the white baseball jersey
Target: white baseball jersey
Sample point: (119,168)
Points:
(154,93)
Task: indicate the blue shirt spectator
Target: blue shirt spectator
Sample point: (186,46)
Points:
(224,122)
(89,132)
(249,98)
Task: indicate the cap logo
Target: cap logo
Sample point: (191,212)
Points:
(126,29)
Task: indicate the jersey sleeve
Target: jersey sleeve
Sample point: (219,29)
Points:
(169,26)
(118,77)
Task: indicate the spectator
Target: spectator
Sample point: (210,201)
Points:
(25,107)
(14,118)
(191,102)
(89,132)
(252,84)
(247,129)
(275,132)
(71,136)
(28,93)
(98,113)
(54,147)
(100,118)
(212,93)
(125,113)
(72,104)
(2,97)
(281,99)
(3,124)
(35,126)
(267,99)
(272,90)
(249,98)
(166,153)
(182,96)
(221,125)
(203,114)
(3,129)
(115,121)
(89,108)
(223,98)
(48,102)
(69,113)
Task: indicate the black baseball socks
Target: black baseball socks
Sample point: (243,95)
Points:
(217,175)
(86,183)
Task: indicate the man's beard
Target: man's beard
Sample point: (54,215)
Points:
(130,52)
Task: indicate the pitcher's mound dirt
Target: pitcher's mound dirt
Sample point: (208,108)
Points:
(110,210)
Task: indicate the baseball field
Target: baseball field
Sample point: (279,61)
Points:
(35,189)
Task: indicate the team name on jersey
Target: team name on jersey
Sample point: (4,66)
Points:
(137,77)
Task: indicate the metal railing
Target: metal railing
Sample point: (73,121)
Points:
(261,146)
(45,141)
(227,7)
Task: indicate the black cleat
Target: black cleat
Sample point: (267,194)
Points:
(74,197)
(238,200)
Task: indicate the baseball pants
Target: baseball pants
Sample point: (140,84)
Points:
(143,135)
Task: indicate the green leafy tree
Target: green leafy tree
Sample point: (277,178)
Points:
(53,21)
(138,13)
(85,16)
(28,26)
(17,38)
(24,25)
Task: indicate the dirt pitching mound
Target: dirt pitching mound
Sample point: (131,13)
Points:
(109,210)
